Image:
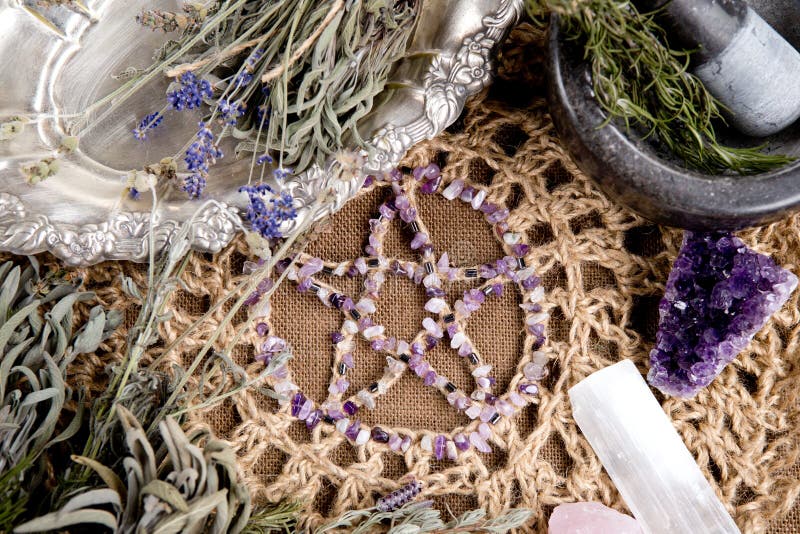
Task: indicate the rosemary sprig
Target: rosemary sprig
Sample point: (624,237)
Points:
(421,517)
(638,79)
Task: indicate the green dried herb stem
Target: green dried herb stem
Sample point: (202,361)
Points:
(324,61)
(644,83)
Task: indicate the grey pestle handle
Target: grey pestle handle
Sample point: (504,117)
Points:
(742,60)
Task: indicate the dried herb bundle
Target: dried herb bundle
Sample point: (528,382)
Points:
(37,343)
(289,78)
(638,79)
(177,487)
(421,517)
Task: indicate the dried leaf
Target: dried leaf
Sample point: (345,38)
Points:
(167,493)
(106,475)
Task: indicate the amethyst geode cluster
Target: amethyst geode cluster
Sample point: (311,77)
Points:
(718,295)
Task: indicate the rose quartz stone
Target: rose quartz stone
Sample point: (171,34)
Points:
(590,518)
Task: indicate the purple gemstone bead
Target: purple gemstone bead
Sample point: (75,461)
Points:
(394,442)
(297,403)
(337,337)
(305,410)
(439,446)
(520,249)
(497,216)
(461,441)
(386,211)
(379,435)
(422,369)
(304,285)
(528,389)
(479,443)
(352,431)
(487,413)
(431,186)
(417,348)
(347,360)
(368,181)
(350,408)
(342,384)
(431,342)
(532,282)
(262,329)
(378,344)
(312,267)
(430,378)
(313,419)
(504,408)
(337,300)
(434,292)
(420,238)
(408,215)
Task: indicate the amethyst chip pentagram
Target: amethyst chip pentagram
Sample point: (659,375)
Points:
(718,295)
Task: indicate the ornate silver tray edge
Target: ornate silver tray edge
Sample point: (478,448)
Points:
(450,79)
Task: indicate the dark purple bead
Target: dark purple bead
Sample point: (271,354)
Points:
(350,408)
(297,403)
(431,185)
(490,399)
(336,337)
(337,300)
(379,435)
(262,329)
(430,342)
(368,181)
(461,441)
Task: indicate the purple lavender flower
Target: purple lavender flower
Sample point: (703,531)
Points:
(191,93)
(400,497)
(718,295)
(194,185)
(263,158)
(230,111)
(150,122)
(268,210)
(243,79)
(199,156)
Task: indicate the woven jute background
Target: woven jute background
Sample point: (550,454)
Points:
(604,269)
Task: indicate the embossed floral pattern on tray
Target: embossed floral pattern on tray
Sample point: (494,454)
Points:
(103,234)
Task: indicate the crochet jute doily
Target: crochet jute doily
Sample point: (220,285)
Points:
(604,270)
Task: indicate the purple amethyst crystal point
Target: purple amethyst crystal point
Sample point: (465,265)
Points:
(718,295)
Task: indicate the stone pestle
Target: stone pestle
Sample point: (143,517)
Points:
(742,60)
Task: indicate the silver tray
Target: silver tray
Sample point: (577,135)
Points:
(58,66)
